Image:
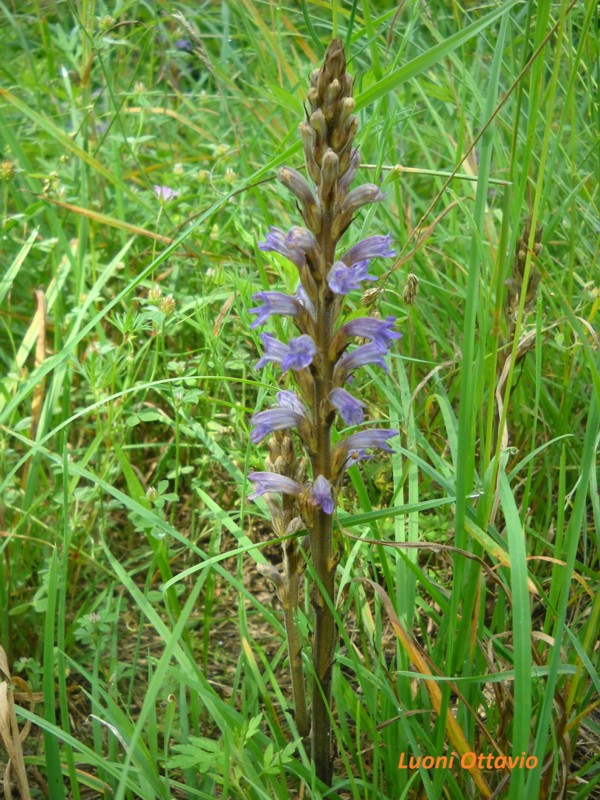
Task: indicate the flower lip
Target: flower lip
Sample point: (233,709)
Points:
(380,332)
(321,495)
(275,350)
(350,409)
(300,353)
(296,355)
(343,279)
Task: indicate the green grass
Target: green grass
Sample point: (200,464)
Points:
(467,590)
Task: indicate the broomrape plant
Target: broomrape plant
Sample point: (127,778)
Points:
(322,361)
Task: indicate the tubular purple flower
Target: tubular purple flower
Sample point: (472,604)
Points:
(287,399)
(301,352)
(274,350)
(363,355)
(267,482)
(274,419)
(274,303)
(342,279)
(297,184)
(373,438)
(350,409)
(276,241)
(297,355)
(372,247)
(321,495)
(380,331)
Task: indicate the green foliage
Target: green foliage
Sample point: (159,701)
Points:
(129,596)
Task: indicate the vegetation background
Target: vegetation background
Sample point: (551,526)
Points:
(140,141)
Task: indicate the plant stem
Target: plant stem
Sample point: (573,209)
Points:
(290,595)
(321,538)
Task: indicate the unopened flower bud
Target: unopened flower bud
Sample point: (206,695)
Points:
(313,99)
(298,184)
(269,571)
(329,175)
(411,289)
(308,143)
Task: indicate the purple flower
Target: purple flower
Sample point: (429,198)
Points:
(274,350)
(297,355)
(381,332)
(321,494)
(353,449)
(349,408)
(165,193)
(301,352)
(290,414)
(372,247)
(266,482)
(274,303)
(274,419)
(363,355)
(293,245)
(343,279)
(287,399)
(373,437)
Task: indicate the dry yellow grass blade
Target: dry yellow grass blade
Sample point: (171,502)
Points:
(9,733)
(417,657)
(104,219)
(40,355)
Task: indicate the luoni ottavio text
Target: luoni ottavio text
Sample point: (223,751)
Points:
(468,760)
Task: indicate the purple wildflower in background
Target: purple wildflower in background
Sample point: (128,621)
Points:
(165,193)
(349,408)
(380,331)
(343,279)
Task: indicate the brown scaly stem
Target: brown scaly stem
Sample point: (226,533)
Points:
(321,538)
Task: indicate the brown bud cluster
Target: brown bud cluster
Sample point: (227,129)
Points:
(327,137)
(514,284)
